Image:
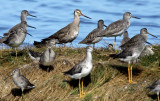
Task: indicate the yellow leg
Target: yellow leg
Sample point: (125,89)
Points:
(80,88)
(158,96)
(115,45)
(129,73)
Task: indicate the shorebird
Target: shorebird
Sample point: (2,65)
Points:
(132,50)
(155,87)
(47,57)
(125,38)
(117,28)
(110,47)
(24,15)
(147,51)
(16,37)
(21,81)
(92,38)
(66,34)
(82,69)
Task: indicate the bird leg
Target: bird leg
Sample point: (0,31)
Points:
(115,45)
(129,73)
(158,95)
(93,46)
(131,76)
(80,88)
(22,94)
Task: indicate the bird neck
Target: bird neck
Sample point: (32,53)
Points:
(88,56)
(23,17)
(126,19)
(100,27)
(16,75)
(76,20)
(145,36)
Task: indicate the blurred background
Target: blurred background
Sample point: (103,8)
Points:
(53,15)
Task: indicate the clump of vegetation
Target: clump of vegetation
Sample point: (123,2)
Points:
(108,80)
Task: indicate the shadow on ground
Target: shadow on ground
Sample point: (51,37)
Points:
(18,91)
(74,83)
(46,68)
(123,69)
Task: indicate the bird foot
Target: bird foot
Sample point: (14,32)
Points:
(131,82)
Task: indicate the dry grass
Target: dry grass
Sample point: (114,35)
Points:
(107,82)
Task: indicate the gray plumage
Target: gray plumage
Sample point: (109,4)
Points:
(117,28)
(125,38)
(133,48)
(24,15)
(47,57)
(92,38)
(83,68)
(155,87)
(148,50)
(66,34)
(16,37)
(21,81)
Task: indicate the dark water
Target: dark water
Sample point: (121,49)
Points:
(53,15)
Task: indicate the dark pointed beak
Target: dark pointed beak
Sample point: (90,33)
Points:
(29,34)
(31,26)
(31,15)
(85,16)
(152,35)
(148,43)
(135,17)
(104,25)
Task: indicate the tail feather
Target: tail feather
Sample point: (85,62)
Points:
(39,44)
(113,56)
(3,39)
(34,55)
(31,86)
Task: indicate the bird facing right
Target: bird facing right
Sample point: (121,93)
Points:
(92,38)
(82,69)
(132,50)
(117,28)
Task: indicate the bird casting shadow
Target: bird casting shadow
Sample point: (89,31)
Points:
(46,68)
(18,91)
(74,82)
(124,69)
(152,96)
(18,53)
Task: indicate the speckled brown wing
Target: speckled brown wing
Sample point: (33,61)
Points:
(113,28)
(91,36)
(59,34)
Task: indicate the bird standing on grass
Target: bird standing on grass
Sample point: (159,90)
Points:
(21,81)
(66,34)
(132,50)
(16,37)
(82,69)
(155,87)
(47,57)
(92,38)
(117,28)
